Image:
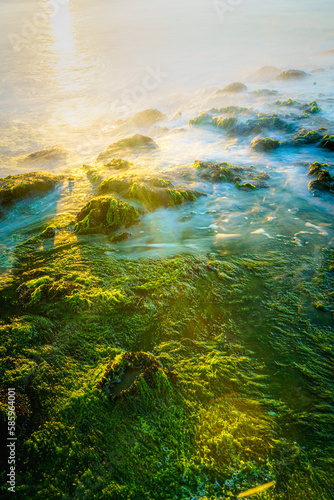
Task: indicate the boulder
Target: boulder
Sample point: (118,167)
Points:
(234,88)
(105,215)
(131,144)
(266,145)
(16,187)
(292,74)
(150,192)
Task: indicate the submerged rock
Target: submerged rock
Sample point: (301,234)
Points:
(151,192)
(234,88)
(291,74)
(124,375)
(16,187)
(266,145)
(104,215)
(134,143)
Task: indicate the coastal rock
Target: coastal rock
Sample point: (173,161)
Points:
(307,137)
(124,375)
(150,192)
(292,74)
(258,125)
(264,93)
(225,172)
(104,215)
(143,118)
(266,145)
(324,180)
(234,88)
(266,73)
(328,142)
(129,145)
(52,157)
(16,187)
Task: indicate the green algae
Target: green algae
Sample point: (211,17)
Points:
(150,192)
(16,187)
(225,426)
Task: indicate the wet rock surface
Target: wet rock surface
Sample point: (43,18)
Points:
(246,178)
(150,192)
(17,187)
(324,181)
(266,145)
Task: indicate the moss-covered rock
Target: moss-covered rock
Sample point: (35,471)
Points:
(266,145)
(150,192)
(292,74)
(104,215)
(130,144)
(234,88)
(123,375)
(16,187)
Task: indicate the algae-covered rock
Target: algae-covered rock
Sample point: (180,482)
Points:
(328,142)
(305,137)
(225,172)
(202,119)
(324,180)
(151,192)
(261,123)
(234,88)
(123,375)
(225,123)
(104,215)
(130,144)
(292,74)
(264,92)
(266,145)
(311,107)
(16,187)
(118,164)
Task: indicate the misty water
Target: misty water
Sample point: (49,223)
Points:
(72,69)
